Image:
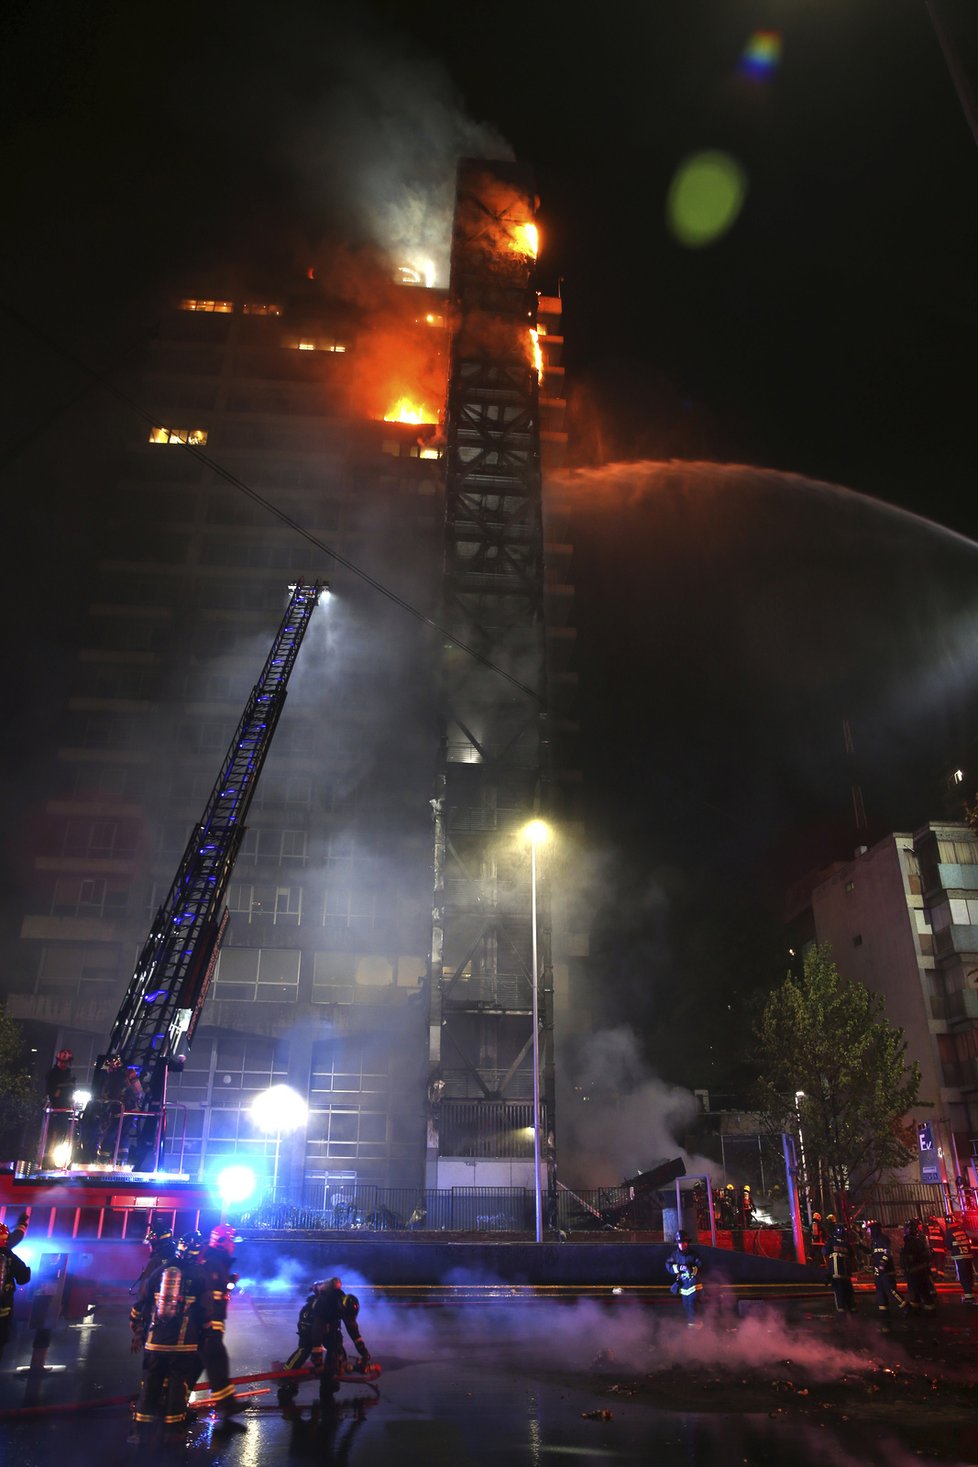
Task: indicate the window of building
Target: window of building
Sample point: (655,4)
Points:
(857,941)
(195,436)
(240,897)
(76,970)
(333,977)
(257,975)
(223,308)
(311,341)
(254,308)
(293,845)
(103,838)
(298,790)
(288,905)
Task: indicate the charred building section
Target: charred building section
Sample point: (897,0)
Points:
(502,590)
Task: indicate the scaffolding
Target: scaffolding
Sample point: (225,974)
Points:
(494,767)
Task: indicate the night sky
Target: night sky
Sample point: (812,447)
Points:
(728,621)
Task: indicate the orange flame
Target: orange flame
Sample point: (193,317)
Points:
(537,353)
(526,240)
(406,411)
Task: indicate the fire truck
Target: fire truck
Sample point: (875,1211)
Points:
(160,1012)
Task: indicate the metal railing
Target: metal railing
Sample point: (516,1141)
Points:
(134,1132)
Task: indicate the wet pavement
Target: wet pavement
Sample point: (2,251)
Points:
(535,1382)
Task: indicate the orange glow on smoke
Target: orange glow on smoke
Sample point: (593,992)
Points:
(537,353)
(526,240)
(406,411)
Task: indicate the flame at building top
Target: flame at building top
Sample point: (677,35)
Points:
(526,240)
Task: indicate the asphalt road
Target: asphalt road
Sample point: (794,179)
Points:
(533,1381)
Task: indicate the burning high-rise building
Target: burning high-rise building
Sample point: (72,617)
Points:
(329,405)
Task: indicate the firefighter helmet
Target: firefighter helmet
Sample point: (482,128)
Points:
(912,1227)
(113,1062)
(64,1056)
(839,1234)
(682,1237)
(327,1286)
(189,1245)
(157,1232)
(224,1237)
(816,1217)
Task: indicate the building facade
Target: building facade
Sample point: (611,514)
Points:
(902,918)
(280,432)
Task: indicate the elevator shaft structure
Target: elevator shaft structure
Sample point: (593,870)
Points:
(165,997)
(493,775)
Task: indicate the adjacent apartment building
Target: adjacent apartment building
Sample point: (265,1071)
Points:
(902,918)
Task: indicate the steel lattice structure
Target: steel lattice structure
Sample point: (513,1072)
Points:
(493,775)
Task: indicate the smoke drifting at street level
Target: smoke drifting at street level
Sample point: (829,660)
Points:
(639,1340)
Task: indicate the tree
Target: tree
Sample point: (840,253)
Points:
(15,1084)
(833,1069)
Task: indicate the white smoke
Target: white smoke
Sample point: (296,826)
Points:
(624,1118)
(384,143)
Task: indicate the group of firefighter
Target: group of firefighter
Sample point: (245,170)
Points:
(925,1247)
(733,1207)
(178,1321)
(119,1126)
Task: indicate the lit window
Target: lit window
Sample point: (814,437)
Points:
(223,308)
(195,436)
(430,453)
(313,343)
(254,309)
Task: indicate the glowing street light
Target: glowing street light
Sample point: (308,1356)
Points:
(537,833)
(277,1110)
(235,1184)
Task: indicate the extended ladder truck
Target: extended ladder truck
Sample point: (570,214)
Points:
(163,1002)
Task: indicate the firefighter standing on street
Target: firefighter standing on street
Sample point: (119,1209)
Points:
(332,1310)
(915,1260)
(216,1282)
(162,1250)
(165,1324)
(839,1261)
(14,1273)
(684,1263)
(884,1272)
(959,1250)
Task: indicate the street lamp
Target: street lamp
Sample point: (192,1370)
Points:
(537,833)
(277,1110)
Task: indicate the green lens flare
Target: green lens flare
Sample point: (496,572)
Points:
(705,197)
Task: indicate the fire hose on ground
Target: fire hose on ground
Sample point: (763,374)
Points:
(12,1413)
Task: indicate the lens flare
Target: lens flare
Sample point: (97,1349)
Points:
(761,57)
(705,198)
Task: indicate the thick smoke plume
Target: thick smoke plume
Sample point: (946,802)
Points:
(622,1119)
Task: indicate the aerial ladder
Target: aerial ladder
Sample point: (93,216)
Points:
(163,1002)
